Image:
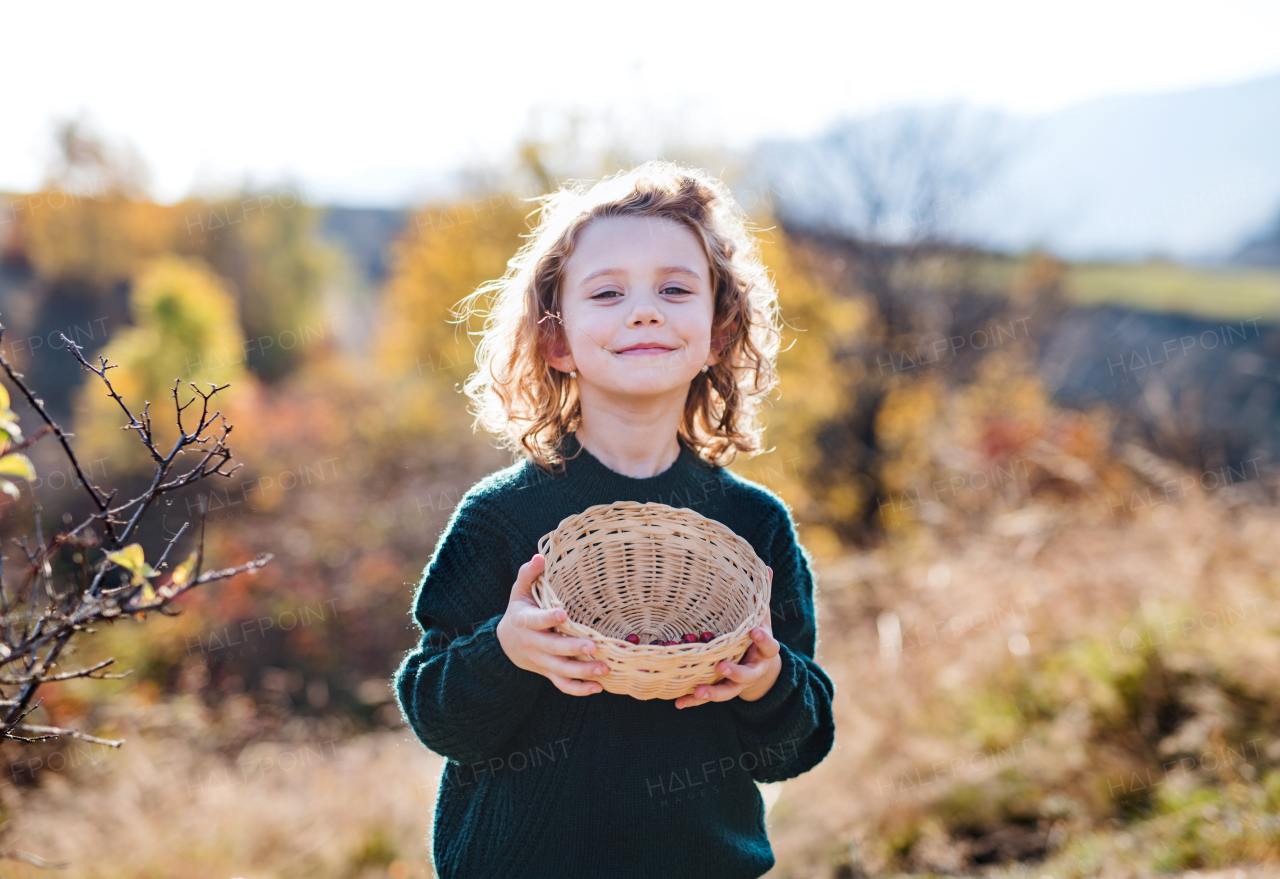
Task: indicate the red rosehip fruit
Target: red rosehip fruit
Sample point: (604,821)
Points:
(707,636)
(633,639)
(670,643)
(691,638)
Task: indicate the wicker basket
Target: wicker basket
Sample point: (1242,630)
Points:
(659,572)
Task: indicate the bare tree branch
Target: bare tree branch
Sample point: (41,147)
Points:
(38,405)
(56,731)
(49,609)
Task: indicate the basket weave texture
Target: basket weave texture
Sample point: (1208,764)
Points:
(656,571)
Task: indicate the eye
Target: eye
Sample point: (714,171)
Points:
(613,294)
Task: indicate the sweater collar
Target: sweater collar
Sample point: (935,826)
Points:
(596,478)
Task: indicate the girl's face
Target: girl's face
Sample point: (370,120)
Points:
(637,308)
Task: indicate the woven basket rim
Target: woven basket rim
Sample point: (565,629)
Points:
(619,653)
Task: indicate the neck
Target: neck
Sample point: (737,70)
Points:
(639,451)
(634,437)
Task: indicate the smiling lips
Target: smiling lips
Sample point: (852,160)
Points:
(645,349)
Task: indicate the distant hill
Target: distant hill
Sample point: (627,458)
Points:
(1264,250)
(1195,388)
(1191,175)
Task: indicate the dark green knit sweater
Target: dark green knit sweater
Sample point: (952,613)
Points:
(540,784)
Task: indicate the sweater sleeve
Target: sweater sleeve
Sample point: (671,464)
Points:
(791,728)
(458,690)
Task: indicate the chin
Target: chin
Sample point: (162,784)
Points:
(656,386)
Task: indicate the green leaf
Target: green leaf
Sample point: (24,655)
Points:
(10,427)
(131,559)
(19,465)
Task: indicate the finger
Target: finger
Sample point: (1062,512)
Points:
(688,701)
(561,645)
(529,571)
(765,644)
(740,673)
(721,692)
(573,668)
(538,619)
(747,672)
(573,687)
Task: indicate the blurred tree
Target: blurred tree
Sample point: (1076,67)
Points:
(558,145)
(185,326)
(902,176)
(266,244)
(91,225)
(949,455)
(92,228)
(85,162)
(447,251)
(813,389)
(894,189)
(94,245)
(881,203)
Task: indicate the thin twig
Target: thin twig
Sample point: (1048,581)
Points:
(73,733)
(29,441)
(142,427)
(82,673)
(38,405)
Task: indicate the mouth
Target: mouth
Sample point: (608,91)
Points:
(645,349)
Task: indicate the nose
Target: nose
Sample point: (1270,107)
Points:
(644,312)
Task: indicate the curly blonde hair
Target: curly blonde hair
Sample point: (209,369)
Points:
(531,406)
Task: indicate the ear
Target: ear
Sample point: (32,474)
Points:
(718,345)
(558,356)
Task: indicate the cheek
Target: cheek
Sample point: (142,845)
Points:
(588,333)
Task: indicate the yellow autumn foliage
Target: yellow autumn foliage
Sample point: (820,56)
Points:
(990,444)
(447,251)
(93,241)
(186,329)
(812,389)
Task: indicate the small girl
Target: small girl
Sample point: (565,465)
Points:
(623,359)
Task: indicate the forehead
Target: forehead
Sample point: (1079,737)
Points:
(634,243)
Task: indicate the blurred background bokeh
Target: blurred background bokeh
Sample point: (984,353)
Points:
(1028,421)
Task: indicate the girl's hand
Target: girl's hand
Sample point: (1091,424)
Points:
(750,679)
(524,635)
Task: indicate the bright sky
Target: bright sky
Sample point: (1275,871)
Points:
(364,102)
